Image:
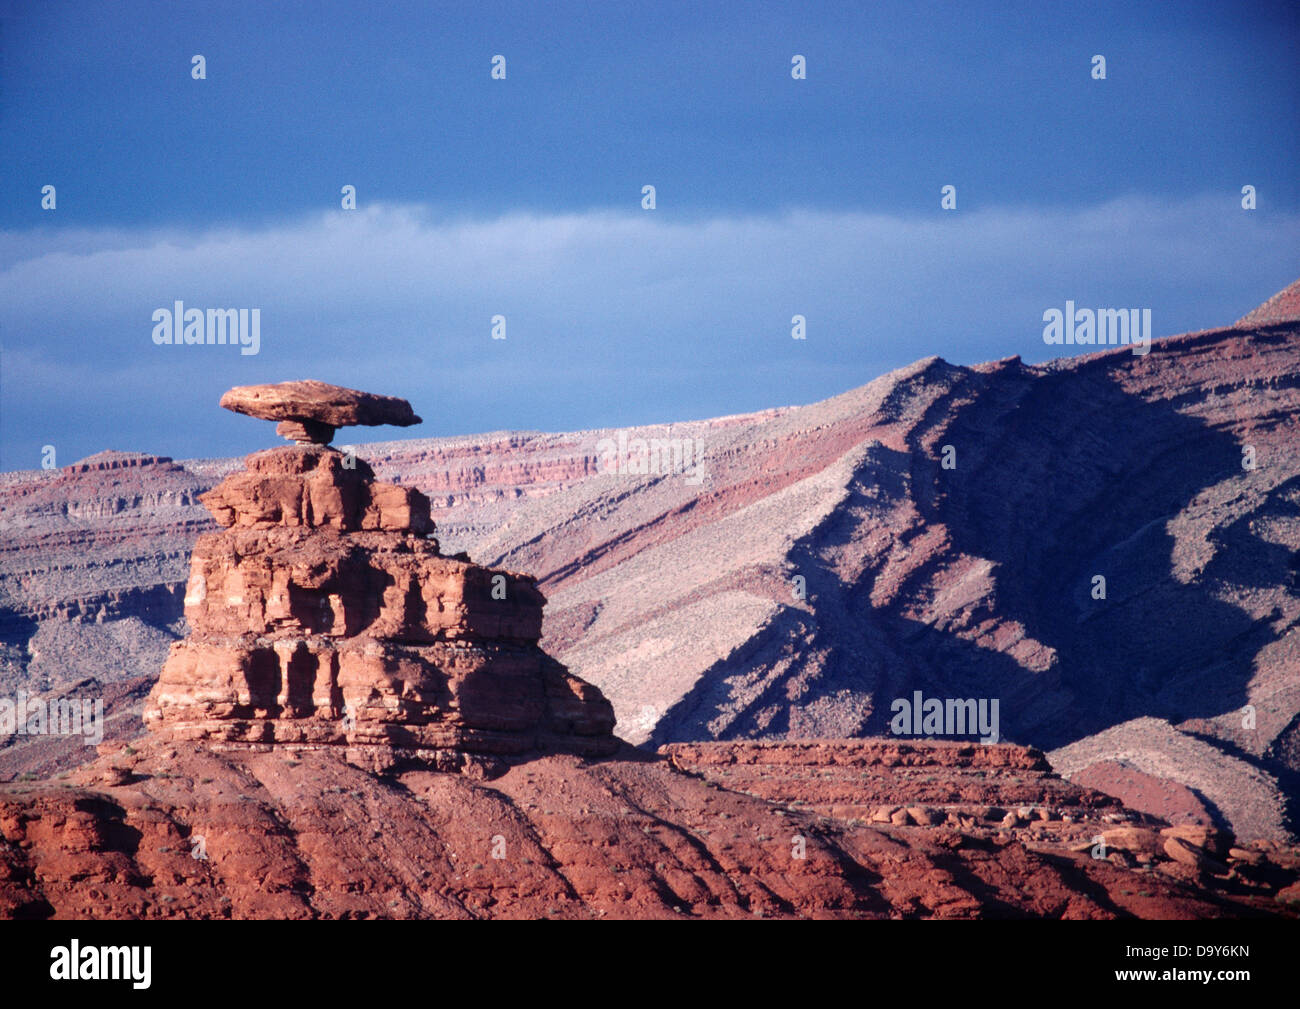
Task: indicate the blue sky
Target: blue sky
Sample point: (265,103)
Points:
(522,197)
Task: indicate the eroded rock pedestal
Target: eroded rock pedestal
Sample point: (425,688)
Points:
(324,615)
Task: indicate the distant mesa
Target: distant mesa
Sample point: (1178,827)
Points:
(111,459)
(310,412)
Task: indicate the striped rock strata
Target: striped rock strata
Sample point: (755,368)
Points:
(323,615)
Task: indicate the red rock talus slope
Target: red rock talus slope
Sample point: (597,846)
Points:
(828,563)
(991,793)
(170,831)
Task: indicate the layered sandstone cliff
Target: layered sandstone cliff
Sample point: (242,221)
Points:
(831,829)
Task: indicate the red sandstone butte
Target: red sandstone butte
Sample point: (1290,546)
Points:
(324,616)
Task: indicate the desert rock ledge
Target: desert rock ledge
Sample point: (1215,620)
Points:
(310,411)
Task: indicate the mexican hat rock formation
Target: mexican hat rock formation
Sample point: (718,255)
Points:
(323,615)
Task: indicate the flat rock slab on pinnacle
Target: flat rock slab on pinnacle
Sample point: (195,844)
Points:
(310,402)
